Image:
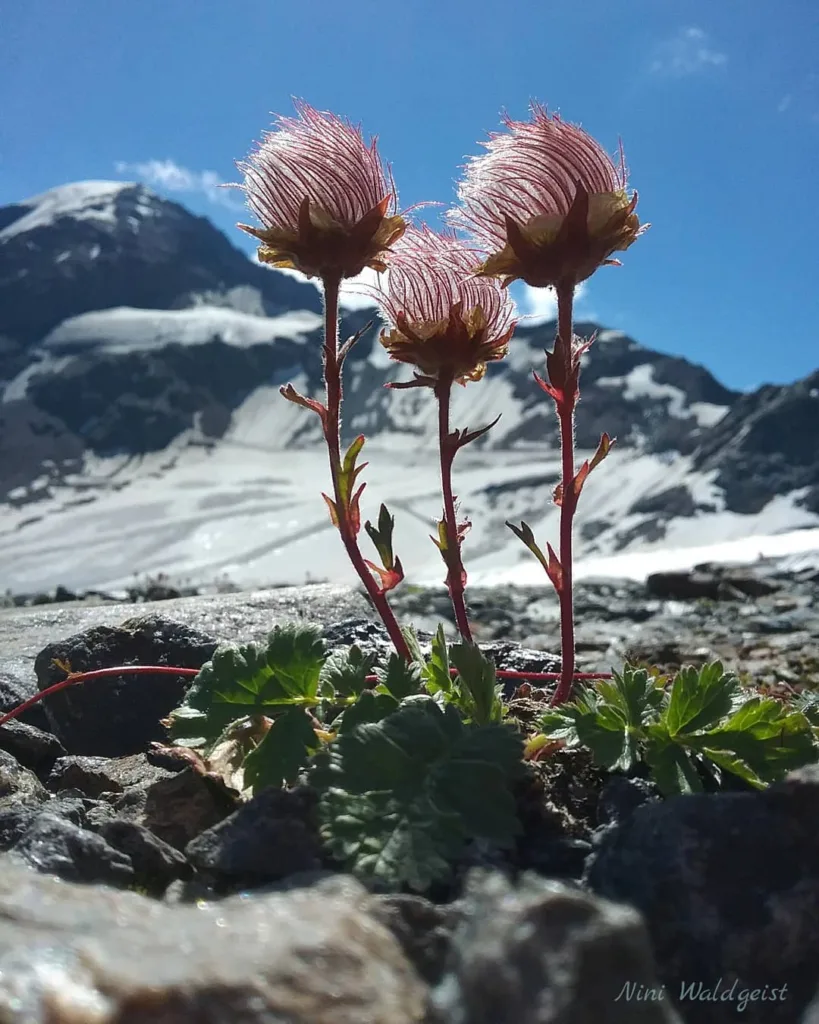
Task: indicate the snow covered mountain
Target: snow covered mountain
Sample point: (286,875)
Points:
(141,427)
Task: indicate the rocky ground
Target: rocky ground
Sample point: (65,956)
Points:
(759,620)
(177,902)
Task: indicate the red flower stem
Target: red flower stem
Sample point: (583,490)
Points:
(565,413)
(332,380)
(172,670)
(455,577)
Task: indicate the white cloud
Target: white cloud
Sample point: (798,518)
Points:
(687,53)
(539,305)
(350,298)
(170,176)
(355,297)
(784,103)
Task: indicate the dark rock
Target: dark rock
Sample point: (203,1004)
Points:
(177,809)
(16,821)
(120,715)
(57,847)
(13,692)
(156,864)
(621,796)
(18,785)
(541,952)
(94,776)
(32,747)
(729,888)
(423,928)
(273,835)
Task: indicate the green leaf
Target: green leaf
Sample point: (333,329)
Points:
(283,752)
(700,699)
(760,742)
(370,707)
(436,670)
(345,672)
(601,727)
(389,844)
(401,796)
(411,639)
(671,765)
(188,727)
(399,678)
(381,536)
(634,694)
(253,679)
(479,694)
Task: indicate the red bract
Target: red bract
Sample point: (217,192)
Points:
(322,196)
(547,201)
(444,319)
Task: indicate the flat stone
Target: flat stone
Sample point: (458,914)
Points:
(71,954)
(24,632)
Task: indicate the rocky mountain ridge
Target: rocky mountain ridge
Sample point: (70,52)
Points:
(130,328)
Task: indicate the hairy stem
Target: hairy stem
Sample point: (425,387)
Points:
(565,413)
(455,578)
(332,380)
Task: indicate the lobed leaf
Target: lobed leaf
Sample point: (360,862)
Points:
(401,796)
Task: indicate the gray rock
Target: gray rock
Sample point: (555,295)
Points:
(31,747)
(24,632)
(19,785)
(272,836)
(57,847)
(729,887)
(72,953)
(543,953)
(94,776)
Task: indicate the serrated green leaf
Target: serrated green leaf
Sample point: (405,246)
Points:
(296,655)
(390,845)
(282,753)
(370,707)
(633,693)
(761,742)
(402,795)
(477,684)
(436,670)
(699,699)
(671,765)
(474,782)
(345,672)
(250,679)
(411,639)
(399,678)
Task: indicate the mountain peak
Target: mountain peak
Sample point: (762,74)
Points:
(94,245)
(80,200)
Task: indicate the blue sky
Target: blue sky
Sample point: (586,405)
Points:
(717,105)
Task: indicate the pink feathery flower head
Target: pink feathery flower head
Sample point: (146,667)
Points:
(324,201)
(547,202)
(443,319)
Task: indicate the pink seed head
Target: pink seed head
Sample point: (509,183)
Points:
(534,176)
(443,317)
(321,195)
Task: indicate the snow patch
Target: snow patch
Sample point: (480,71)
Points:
(83,200)
(128,330)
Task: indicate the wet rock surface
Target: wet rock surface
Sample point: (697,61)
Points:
(757,619)
(134,887)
